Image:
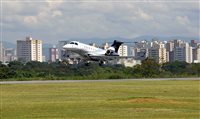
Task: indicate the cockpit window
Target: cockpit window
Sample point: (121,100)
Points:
(71,43)
(76,43)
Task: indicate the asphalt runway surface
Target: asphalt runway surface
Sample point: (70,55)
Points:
(100,80)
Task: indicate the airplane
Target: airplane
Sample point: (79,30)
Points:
(91,53)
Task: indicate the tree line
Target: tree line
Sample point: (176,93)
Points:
(34,70)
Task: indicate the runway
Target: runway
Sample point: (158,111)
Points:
(99,80)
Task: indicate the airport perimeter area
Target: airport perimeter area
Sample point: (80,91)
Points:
(117,99)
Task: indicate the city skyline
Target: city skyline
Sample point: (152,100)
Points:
(167,51)
(64,20)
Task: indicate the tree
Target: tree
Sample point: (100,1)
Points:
(15,65)
(3,71)
(177,67)
(150,68)
(193,69)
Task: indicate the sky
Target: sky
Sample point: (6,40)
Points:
(56,20)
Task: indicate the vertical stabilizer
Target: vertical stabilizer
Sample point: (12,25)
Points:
(116,44)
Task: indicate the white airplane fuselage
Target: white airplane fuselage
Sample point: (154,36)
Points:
(92,53)
(86,49)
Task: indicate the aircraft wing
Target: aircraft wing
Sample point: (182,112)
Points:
(106,58)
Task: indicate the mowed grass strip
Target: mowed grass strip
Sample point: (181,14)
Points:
(102,100)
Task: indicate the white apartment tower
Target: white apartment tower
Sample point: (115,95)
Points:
(123,50)
(29,50)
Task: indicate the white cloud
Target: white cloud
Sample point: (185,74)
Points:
(183,20)
(54,4)
(9,7)
(141,14)
(56,13)
(30,20)
(100,19)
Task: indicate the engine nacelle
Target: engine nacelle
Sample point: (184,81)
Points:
(110,51)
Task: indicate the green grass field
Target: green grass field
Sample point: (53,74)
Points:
(102,100)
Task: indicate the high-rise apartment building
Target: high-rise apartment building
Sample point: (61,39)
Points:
(169,46)
(179,54)
(141,44)
(193,43)
(178,42)
(183,52)
(188,53)
(62,52)
(29,50)
(158,53)
(139,53)
(123,50)
(53,54)
(170,51)
(140,50)
(196,54)
(154,44)
(10,55)
(1,52)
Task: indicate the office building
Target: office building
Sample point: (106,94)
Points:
(169,46)
(193,43)
(158,52)
(62,52)
(170,51)
(178,43)
(10,55)
(155,44)
(183,53)
(140,50)
(53,54)
(139,54)
(29,50)
(141,44)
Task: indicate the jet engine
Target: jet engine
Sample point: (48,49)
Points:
(110,51)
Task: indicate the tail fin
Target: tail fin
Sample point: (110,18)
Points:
(116,44)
